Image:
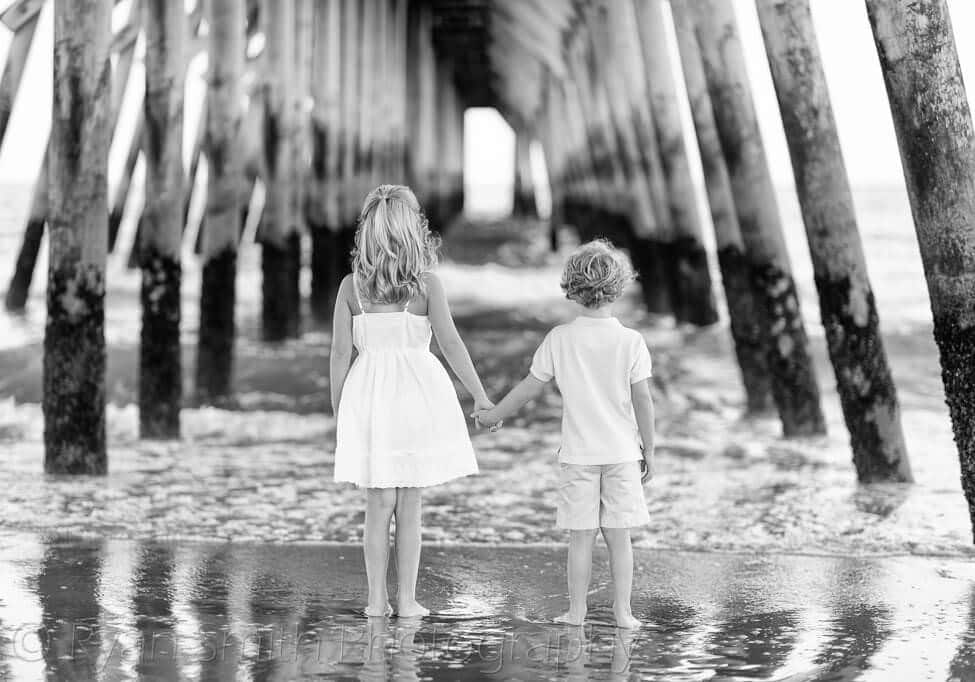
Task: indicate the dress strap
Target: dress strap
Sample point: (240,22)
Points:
(355,290)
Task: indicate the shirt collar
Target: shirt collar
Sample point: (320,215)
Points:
(583,319)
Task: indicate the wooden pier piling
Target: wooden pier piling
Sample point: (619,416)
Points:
(622,71)
(160,363)
(74,338)
(794,384)
(322,208)
(933,123)
(450,122)
(21,17)
(523,203)
(124,41)
(225,70)
(422,91)
(846,302)
(120,196)
(279,232)
(743,306)
(351,196)
(694,300)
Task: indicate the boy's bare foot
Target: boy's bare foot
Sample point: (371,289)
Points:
(626,620)
(412,609)
(571,618)
(379,610)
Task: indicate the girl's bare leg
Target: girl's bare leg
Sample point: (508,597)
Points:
(408,551)
(579,571)
(380,504)
(621,564)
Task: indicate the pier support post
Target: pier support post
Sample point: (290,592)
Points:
(934,131)
(279,236)
(74,338)
(450,123)
(160,363)
(694,300)
(633,146)
(846,301)
(121,195)
(743,307)
(423,120)
(215,352)
(523,205)
(794,384)
(350,197)
(398,68)
(19,288)
(322,208)
(124,42)
(21,17)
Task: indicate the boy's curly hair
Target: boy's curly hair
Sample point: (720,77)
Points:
(596,274)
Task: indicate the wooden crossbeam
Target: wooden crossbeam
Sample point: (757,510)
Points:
(20,13)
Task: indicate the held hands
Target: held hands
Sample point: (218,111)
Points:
(483,415)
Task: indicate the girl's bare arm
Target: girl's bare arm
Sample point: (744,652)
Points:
(342,348)
(451,345)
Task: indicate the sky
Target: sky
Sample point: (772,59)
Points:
(845,39)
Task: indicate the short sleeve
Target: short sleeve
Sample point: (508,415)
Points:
(641,367)
(543,366)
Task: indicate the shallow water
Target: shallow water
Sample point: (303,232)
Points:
(116,609)
(262,470)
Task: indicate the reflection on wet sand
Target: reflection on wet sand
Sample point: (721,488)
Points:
(285,613)
(962,666)
(857,628)
(66,585)
(275,615)
(153,608)
(6,650)
(220,649)
(754,644)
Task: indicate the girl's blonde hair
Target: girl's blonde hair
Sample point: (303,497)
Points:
(394,247)
(595,274)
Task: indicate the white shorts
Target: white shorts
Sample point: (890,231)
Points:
(601,496)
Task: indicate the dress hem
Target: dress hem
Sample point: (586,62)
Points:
(406,484)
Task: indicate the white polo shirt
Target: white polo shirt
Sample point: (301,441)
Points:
(594,360)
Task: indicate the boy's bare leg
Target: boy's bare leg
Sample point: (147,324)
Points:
(380,503)
(579,572)
(408,536)
(621,564)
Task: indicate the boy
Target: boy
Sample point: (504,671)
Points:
(602,370)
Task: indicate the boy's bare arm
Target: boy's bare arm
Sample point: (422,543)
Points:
(527,390)
(643,410)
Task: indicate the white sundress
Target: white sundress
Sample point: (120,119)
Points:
(399,423)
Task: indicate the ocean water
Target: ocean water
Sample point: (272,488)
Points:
(262,472)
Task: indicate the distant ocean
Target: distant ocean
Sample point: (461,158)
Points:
(883,213)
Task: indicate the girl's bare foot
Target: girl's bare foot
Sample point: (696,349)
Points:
(571,618)
(626,620)
(379,610)
(412,609)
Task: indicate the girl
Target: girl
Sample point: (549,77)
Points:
(399,426)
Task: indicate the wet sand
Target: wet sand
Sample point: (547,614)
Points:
(118,609)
